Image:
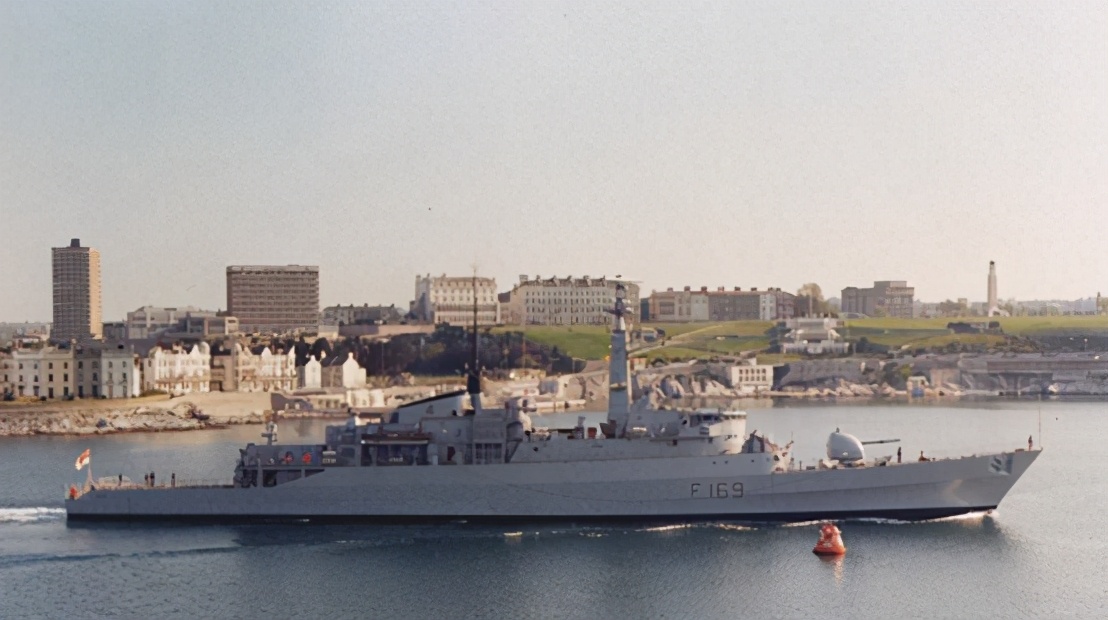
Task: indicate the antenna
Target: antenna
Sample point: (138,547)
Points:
(473,381)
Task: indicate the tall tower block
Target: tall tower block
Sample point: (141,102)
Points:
(76,293)
(994,307)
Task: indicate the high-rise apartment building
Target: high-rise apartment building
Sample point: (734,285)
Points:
(77,309)
(278,299)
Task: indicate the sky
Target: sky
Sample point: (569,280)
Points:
(747,144)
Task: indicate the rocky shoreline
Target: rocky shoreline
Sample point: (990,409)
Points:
(27,421)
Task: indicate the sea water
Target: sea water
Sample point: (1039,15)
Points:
(1040,555)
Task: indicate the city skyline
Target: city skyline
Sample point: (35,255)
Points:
(752,145)
(502,288)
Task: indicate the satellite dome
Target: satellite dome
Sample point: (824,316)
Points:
(844,447)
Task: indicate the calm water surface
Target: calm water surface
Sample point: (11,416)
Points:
(1040,555)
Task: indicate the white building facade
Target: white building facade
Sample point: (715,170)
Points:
(7,372)
(258,369)
(688,306)
(91,371)
(44,372)
(178,370)
(107,372)
(746,376)
(567,301)
(685,306)
(449,300)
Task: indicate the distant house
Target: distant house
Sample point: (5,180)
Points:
(344,373)
(310,375)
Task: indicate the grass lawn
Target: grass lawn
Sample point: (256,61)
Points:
(778,358)
(896,333)
(588,342)
(689,340)
(1019,325)
(672,353)
(991,340)
(677,329)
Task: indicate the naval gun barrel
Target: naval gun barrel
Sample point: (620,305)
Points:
(872,441)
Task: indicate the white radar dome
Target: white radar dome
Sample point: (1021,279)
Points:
(844,447)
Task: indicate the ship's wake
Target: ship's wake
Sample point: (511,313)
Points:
(31,514)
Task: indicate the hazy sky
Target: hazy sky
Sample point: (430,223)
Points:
(717,144)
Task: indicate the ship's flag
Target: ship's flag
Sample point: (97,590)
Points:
(82,460)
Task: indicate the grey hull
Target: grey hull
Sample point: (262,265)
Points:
(734,487)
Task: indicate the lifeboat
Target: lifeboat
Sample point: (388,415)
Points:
(830,541)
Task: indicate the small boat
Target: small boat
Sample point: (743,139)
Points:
(200,415)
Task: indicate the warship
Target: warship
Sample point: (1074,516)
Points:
(448,458)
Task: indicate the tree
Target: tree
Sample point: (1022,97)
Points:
(810,302)
(952,308)
(320,348)
(812,290)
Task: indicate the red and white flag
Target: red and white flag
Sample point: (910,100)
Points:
(82,460)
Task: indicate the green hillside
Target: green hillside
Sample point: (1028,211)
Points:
(702,340)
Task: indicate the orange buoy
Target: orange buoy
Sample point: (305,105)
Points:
(830,541)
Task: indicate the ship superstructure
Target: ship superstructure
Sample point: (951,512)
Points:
(447,457)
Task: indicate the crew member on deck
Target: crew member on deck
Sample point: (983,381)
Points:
(1030,443)
(898,454)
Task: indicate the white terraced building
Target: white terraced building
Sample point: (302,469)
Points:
(92,370)
(566,301)
(449,300)
(255,369)
(178,370)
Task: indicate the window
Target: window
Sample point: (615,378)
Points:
(80,364)
(51,365)
(65,377)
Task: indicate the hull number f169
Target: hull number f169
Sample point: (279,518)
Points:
(716,490)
